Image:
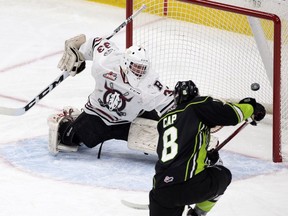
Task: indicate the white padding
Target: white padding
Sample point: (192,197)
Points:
(66,148)
(143,135)
(72,58)
(54,121)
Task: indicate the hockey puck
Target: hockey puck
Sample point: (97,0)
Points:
(255,86)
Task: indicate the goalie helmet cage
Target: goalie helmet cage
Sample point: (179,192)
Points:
(224,47)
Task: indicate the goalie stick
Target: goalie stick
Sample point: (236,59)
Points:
(35,100)
(129,19)
(58,80)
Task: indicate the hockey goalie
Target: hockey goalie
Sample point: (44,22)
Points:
(126,87)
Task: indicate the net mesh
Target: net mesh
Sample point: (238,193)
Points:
(216,49)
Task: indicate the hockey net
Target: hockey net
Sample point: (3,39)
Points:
(224,47)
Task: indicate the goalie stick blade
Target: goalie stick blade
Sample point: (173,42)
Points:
(35,100)
(135,205)
(12,111)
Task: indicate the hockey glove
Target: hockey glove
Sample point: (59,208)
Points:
(214,158)
(73,60)
(259,110)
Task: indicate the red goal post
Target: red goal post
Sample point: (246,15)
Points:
(224,48)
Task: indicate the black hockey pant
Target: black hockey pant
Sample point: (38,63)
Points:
(91,130)
(207,185)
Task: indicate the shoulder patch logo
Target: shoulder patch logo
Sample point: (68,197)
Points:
(111,76)
(168,179)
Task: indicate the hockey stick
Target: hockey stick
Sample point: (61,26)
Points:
(129,19)
(35,100)
(58,80)
(135,205)
(241,127)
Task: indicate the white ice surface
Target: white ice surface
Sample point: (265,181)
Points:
(33,182)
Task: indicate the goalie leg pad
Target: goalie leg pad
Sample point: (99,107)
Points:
(143,135)
(54,121)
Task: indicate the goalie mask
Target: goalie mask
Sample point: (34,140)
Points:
(185,91)
(135,64)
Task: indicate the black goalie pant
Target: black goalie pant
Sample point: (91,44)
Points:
(91,130)
(170,201)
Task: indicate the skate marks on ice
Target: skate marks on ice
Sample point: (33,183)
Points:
(118,167)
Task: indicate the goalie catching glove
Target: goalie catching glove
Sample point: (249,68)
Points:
(73,60)
(259,110)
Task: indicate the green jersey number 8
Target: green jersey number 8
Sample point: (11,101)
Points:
(170,147)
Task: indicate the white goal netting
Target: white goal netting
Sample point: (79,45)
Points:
(224,52)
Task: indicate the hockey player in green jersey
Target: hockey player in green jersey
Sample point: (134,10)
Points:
(186,172)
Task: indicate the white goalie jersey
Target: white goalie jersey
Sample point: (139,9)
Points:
(114,100)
